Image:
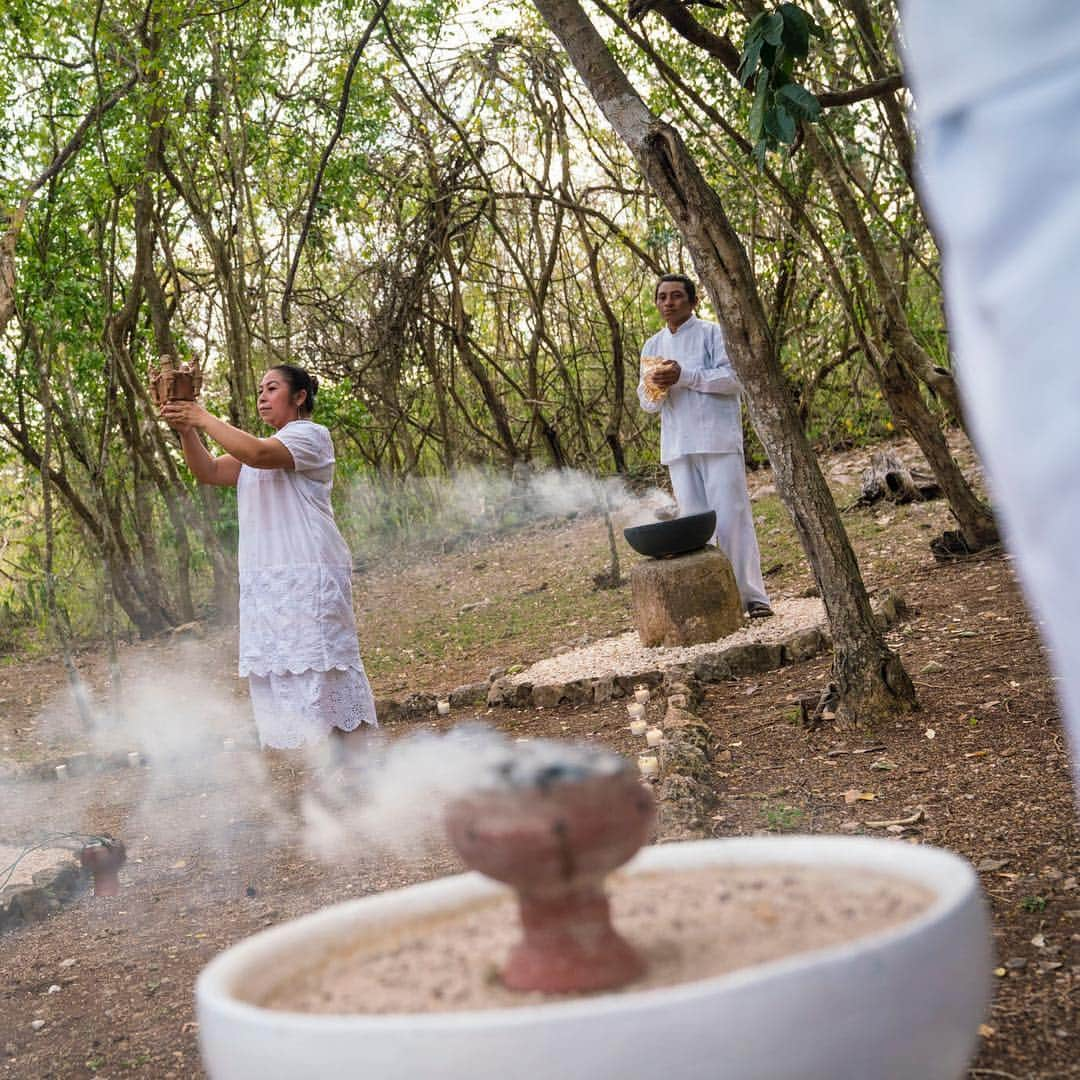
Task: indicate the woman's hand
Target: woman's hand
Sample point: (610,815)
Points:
(183,415)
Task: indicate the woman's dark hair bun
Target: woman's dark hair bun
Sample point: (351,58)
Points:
(299,379)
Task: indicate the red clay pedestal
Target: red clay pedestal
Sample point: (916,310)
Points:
(554,843)
(103,858)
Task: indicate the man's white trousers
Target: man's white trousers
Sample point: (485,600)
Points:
(718,482)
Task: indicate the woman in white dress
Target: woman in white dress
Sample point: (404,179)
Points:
(298,644)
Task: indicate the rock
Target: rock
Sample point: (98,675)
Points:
(578,692)
(30,906)
(604,688)
(676,717)
(932,667)
(189,631)
(469,694)
(675,673)
(505,693)
(501,692)
(37,1025)
(548,695)
(626,683)
(890,608)
(419,704)
(754,658)
(387,710)
(686,600)
(496,673)
(802,645)
(712,667)
(687,687)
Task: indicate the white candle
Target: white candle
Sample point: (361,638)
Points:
(61,772)
(641,694)
(654,736)
(648,764)
(134,759)
(636,710)
(442,708)
(638,726)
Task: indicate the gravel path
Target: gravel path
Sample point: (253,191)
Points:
(625,655)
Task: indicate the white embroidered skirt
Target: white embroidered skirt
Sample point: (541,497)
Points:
(296,708)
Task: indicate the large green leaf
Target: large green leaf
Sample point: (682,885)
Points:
(780,123)
(748,62)
(757,110)
(773,30)
(799,101)
(796,30)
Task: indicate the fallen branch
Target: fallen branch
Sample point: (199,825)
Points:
(912,819)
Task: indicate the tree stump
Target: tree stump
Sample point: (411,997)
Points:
(687,600)
(888,478)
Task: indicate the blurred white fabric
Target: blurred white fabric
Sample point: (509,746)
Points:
(997,112)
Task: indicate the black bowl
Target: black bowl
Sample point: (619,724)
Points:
(661,539)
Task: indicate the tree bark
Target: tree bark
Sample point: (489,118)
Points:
(902,353)
(871,679)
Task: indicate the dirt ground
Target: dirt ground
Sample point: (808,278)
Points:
(215,851)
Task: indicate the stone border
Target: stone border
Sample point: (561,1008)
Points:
(50,889)
(500,690)
(752,658)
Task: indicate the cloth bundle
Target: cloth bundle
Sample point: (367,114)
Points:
(648,364)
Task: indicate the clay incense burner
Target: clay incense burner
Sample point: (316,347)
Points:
(172,381)
(103,857)
(675,536)
(553,830)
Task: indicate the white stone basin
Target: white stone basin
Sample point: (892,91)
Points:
(901,1004)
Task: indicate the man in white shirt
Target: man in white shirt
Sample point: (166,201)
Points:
(697,396)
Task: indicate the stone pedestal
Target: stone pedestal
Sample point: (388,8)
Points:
(687,600)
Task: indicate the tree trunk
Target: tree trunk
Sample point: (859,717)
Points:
(896,328)
(871,679)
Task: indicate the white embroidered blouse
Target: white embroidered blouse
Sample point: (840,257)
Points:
(296,609)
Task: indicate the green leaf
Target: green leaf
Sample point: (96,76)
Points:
(748,62)
(757,110)
(796,29)
(773,31)
(780,123)
(799,101)
(761,147)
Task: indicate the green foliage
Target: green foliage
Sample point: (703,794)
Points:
(469,167)
(774,42)
(779,817)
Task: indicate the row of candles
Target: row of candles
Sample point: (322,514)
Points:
(648,764)
(135,759)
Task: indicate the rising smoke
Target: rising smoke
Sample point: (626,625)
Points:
(442,512)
